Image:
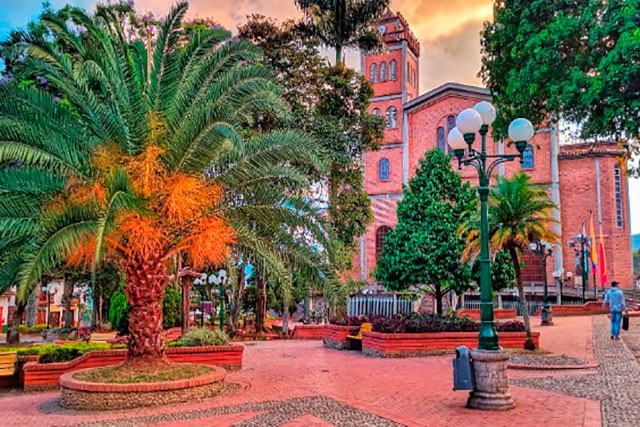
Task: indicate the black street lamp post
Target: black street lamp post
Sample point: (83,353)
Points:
(545,249)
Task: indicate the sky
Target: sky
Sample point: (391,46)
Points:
(448,32)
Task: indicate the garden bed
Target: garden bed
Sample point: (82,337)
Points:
(308,332)
(335,336)
(420,344)
(47,375)
(84,395)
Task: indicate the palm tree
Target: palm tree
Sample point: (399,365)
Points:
(157,156)
(345,23)
(518,215)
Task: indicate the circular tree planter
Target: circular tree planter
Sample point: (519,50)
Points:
(90,396)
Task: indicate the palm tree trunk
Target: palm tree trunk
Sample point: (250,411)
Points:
(261,304)
(528,344)
(13,333)
(146,282)
(338,55)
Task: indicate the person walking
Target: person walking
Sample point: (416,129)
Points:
(615,298)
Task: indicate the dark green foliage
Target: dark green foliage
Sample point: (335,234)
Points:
(576,60)
(345,23)
(415,324)
(119,311)
(51,353)
(172,307)
(503,275)
(425,249)
(202,337)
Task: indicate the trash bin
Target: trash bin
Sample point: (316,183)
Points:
(462,370)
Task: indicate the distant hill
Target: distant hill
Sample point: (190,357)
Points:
(635,241)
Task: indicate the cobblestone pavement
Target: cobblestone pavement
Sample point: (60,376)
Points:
(616,385)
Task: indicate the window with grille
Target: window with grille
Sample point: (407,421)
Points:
(441,143)
(393,69)
(617,182)
(373,73)
(383,169)
(383,71)
(381,235)
(392,118)
(528,158)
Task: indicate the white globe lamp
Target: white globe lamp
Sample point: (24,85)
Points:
(521,131)
(487,111)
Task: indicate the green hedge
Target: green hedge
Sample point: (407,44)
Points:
(51,353)
(35,329)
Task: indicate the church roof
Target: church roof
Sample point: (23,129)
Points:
(445,90)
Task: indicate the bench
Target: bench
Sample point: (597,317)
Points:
(8,362)
(365,327)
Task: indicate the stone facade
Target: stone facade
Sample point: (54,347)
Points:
(580,179)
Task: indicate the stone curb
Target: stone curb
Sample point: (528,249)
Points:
(523,367)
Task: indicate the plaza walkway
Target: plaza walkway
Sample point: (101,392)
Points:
(300,383)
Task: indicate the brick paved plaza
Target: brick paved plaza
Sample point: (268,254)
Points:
(300,383)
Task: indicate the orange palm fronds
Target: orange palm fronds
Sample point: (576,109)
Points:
(146,170)
(189,198)
(210,244)
(82,254)
(145,237)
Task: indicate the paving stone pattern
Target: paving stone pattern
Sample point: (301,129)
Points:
(271,414)
(615,385)
(544,360)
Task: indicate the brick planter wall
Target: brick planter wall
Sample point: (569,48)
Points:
(592,307)
(308,332)
(408,345)
(497,314)
(335,336)
(47,375)
(81,395)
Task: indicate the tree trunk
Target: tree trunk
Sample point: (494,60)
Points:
(438,299)
(261,304)
(338,55)
(186,302)
(67,295)
(13,332)
(146,282)
(237,301)
(528,344)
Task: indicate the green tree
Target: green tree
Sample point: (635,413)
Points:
(518,215)
(503,276)
(172,307)
(565,59)
(119,310)
(157,153)
(343,24)
(424,250)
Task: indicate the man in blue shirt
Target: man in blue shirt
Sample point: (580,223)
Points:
(615,298)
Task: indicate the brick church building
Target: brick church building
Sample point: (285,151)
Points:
(581,178)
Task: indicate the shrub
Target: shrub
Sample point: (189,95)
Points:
(350,320)
(415,323)
(172,307)
(510,326)
(35,329)
(202,337)
(119,312)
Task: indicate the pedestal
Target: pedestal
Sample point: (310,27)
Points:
(491,390)
(546,317)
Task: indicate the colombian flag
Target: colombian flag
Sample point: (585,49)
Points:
(603,262)
(594,245)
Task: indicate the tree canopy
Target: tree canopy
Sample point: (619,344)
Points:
(425,249)
(566,59)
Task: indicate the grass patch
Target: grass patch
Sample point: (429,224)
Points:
(126,374)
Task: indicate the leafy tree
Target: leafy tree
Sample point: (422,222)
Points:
(566,59)
(424,249)
(143,125)
(518,215)
(342,24)
(119,310)
(172,307)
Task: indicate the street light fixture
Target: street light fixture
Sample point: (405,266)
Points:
(557,275)
(545,249)
(489,354)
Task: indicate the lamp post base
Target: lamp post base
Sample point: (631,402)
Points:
(546,317)
(491,390)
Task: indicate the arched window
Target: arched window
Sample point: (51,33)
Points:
(383,71)
(392,118)
(393,69)
(528,158)
(381,234)
(442,145)
(383,169)
(376,112)
(373,73)
(451,123)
